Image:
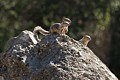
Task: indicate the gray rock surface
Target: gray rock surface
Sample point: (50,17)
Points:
(53,58)
(1,78)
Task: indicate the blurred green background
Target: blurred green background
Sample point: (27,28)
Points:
(98,18)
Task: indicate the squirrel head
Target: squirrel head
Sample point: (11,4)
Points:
(87,37)
(66,21)
(85,40)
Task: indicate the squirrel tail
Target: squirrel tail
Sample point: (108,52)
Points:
(40,30)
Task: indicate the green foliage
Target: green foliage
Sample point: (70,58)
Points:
(26,14)
(115,43)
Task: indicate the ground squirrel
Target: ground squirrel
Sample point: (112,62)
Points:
(60,28)
(85,40)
